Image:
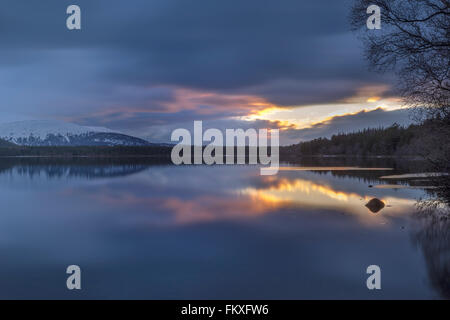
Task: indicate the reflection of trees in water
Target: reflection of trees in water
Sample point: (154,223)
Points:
(398,165)
(90,168)
(89,172)
(433,237)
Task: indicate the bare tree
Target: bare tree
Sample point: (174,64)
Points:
(414,40)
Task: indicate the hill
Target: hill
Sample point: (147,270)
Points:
(58,133)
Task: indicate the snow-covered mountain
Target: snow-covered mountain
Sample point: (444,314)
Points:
(59,133)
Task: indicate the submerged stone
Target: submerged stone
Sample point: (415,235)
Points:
(375,205)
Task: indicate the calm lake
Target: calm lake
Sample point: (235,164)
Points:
(148,230)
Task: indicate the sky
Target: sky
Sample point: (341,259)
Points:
(147,67)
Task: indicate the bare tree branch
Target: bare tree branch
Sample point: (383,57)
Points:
(414,42)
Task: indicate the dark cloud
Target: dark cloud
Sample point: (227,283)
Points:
(127,66)
(163,133)
(162,125)
(227,46)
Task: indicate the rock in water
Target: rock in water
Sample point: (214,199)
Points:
(375,205)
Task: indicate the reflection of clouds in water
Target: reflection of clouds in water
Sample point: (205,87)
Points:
(173,195)
(207,208)
(171,209)
(308,194)
(176,217)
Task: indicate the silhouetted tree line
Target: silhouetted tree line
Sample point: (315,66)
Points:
(85,151)
(392,141)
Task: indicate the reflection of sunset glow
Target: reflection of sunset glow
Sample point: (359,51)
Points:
(216,208)
(274,194)
(301,191)
(309,194)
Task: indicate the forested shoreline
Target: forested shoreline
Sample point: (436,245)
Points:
(392,141)
(395,141)
(427,141)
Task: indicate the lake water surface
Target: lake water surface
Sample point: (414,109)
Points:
(156,231)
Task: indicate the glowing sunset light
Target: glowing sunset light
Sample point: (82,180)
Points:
(307,116)
(373,99)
